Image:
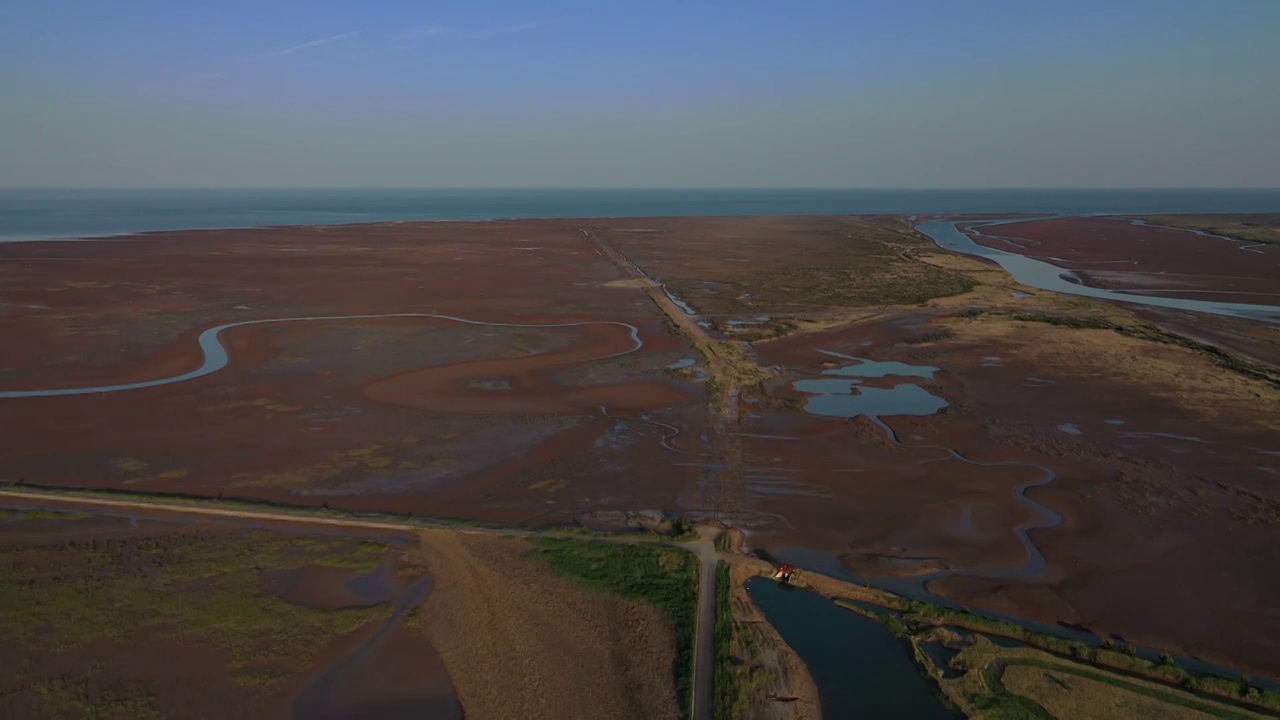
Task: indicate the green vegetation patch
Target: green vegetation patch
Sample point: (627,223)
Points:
(749,671)
(1246,228)
(870,266)
(66,695)
(663,576)
(730,701)
(203,589)
(34,515)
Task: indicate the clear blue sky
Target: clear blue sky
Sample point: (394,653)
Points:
(485,93)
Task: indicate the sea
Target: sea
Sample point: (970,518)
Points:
(70,214)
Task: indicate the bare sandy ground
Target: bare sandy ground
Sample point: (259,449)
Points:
(790,693)
(522,643)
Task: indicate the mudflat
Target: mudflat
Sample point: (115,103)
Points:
(849,396)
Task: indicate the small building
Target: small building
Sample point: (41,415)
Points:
(785,573)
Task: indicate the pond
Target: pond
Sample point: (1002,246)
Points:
(839,399)
(861,670)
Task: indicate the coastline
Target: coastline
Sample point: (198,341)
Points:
(28,215)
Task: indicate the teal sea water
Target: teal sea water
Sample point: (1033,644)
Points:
(42,214)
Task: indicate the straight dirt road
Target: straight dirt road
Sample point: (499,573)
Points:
(704,644)
(722,411)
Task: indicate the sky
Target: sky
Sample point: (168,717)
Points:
(571,93)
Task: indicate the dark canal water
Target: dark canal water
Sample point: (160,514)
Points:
(861,670)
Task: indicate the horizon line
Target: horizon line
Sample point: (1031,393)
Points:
(622,188)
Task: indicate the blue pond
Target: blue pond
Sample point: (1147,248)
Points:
(877,369)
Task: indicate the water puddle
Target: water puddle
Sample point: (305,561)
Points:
(1169,436)
(1115,422)
(1070,429)
(874,402)
(394,673)
(940,655)
(375,587)
(686,307)
(964,527)
(740,325)
(331,588)
(780,485)
(682,364)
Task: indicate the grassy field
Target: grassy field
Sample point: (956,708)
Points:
(190,590)
(867,265)
(7,515)
(66,695)
(788,265)
(1013,683)
(1065,694)
(663,576)
(730,671)
(1143,331)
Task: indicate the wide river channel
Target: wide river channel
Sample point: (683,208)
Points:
(1047,276)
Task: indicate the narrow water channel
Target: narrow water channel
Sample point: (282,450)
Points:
(216,356)
(862,671)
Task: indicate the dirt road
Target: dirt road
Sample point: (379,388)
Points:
(41,499)
(654,290)
(722,410)
(704,643)
(730,369)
